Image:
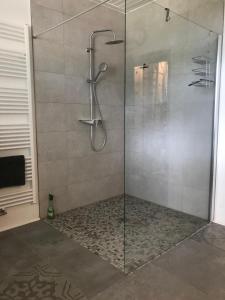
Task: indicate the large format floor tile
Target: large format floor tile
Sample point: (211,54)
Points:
(198,264)
(194,270)
(15,255)
(152,283)
(30,251)
(38,262)
(213,235)
(39,282)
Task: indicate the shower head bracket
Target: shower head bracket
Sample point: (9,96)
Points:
(88,50)
(168,18)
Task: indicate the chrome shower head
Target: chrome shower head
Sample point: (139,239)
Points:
(114,42)
(102,68)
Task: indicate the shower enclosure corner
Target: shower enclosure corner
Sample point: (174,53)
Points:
(125,98)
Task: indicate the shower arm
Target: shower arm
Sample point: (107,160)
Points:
(91,39)
(70,19)
(90,50)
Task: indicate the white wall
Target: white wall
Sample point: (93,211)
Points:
(219,213)
(16,12)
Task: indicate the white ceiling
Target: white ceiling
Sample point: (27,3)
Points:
(120,4)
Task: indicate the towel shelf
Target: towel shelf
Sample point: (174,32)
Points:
(204,71)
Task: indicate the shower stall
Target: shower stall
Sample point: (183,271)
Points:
(125,107)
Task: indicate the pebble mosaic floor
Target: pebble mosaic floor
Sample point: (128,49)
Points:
(148,231)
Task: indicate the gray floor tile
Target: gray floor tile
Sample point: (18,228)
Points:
(152,283)
(44,239)
(200,265)
(194,270)
(87,270)
(40,244)
(14,255)
(39,282)
(213,235)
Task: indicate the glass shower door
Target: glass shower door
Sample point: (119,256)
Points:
(170,85)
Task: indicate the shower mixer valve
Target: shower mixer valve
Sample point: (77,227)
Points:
(95,122)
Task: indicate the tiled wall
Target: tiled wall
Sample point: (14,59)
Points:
(168,137)
(207,13)
(68,167)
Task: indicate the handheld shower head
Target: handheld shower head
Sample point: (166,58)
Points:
(102,68)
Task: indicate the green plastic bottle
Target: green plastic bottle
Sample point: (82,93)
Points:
(51,212)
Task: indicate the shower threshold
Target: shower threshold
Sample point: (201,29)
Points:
(149,230)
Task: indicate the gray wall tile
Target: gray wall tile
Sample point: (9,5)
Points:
(51,117)
(48,56)
(52,174)
(53,4)
(49,87)
(76,90)
(67,166)
(168,128)
(44,18)
(83,169)
(78,143)
(51,146)
(95,190)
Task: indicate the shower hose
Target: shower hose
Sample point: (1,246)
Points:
(94,128)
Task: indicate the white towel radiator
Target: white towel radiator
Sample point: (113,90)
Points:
(17,128)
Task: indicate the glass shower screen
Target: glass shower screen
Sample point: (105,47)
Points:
(169,109)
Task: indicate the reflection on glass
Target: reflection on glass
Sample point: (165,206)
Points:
(151,81)
(168,132)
